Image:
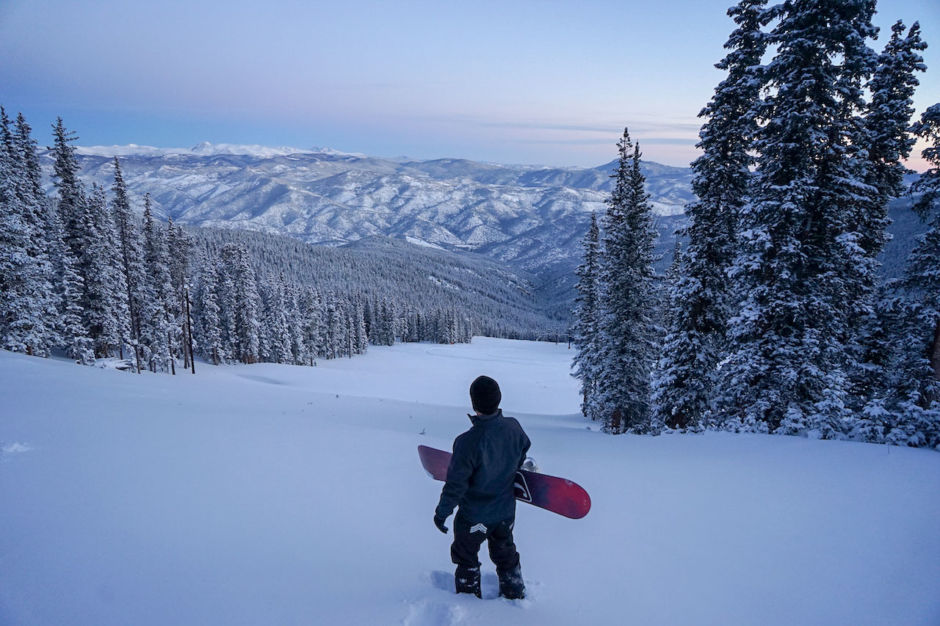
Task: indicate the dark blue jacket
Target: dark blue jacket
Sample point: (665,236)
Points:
(482,469)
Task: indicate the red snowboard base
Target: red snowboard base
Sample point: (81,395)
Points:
(558,495)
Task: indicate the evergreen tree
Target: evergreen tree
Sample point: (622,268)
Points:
(208,327)
(887,126)
(15,235)
(68,288)
(701,293)
(800,269)
(360,337)
(27,304)
(226,297)
(295,324)
(585,332)
(627,330)
(919,341)
(105,316)
(277,342)
(70,202)
(927,187)
(71,263)
(887,141)
(670,389)
(333,336)
(312,324)
(157,333)
(130,257)
(178,252)
(247,307)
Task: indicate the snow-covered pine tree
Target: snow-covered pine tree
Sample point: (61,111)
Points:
(360,336)
(295,324)
(919,343)
(70,194)
(68,287)
(887,127)
(349,340)
(927,187)
(158,332)
(15,234)
(667,390)
(247,309)
(71,263)
(41,306)
(130,256)
(701,295)
(105,304)
(887,142)
(383,323)
(585,331)
(332,317)
(178,247)
(225,270)
(799,267)
(207,326)
(27,303)
(627,330)
(311,314)
(276,341)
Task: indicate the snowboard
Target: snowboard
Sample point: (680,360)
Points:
(558,495)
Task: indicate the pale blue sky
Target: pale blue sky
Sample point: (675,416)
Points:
(544,82)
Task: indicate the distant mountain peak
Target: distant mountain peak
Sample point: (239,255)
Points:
(208,149)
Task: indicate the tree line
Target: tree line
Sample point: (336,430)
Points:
(82,274)
(773,318)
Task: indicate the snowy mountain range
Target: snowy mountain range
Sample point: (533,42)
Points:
(532,217)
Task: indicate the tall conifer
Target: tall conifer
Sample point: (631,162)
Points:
(627,328)
(585,332)
(797,269)
(701,293)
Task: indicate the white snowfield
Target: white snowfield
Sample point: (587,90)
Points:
(276,495)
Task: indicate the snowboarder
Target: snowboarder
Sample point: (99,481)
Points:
(480,484)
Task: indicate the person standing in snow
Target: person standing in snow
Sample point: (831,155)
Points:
(480,484)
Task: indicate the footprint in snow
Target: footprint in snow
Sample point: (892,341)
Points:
(443,580)
(10,449)
(429,613)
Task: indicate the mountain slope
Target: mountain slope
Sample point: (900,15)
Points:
(529,216)
(499,299)
(274,494)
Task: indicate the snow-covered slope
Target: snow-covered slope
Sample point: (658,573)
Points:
(271,494)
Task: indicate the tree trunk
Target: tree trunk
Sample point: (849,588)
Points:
(189,332)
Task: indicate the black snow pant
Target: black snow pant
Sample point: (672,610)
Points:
(468,537)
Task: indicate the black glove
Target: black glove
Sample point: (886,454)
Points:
(439,522)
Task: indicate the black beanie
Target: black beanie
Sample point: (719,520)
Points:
(485,395)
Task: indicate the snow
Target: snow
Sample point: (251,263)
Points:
(272,494)
(422,243)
